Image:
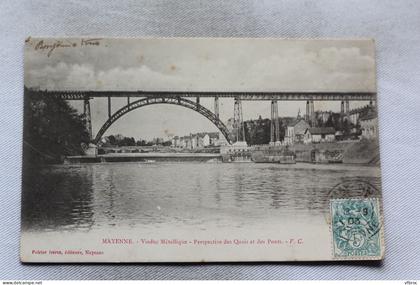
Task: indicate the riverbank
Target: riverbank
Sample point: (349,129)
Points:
(364,152)
(350,152)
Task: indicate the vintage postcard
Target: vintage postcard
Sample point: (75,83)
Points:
(200,150)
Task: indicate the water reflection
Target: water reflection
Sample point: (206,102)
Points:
(52,198)
(111,194)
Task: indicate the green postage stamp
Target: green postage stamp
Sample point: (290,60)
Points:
(356,228)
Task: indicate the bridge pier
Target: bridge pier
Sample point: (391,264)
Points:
(312,107)
(88,116)
(109,107)
(310,113)
(307,114)
(197,100)
(238,120)
(274,128)
(347,108)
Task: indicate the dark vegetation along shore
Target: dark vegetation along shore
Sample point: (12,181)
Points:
(52,130)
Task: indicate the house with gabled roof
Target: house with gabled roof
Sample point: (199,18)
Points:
(369,124)
(317,135)
(295,131)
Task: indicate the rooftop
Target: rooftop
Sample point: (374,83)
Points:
(321,131)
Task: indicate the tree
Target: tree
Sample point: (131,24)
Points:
(330,122)
(282,130)
(141,143)
(112,140)
(346,128)
(257,131)
(167,143)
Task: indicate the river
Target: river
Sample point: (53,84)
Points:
(224,195)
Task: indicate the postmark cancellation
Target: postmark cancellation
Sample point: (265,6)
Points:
(356,228)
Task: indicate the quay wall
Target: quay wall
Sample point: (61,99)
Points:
(353,152)
(349,152)
(145,157)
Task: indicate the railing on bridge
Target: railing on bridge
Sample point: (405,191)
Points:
(244,96)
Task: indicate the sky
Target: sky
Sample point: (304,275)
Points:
(197,65)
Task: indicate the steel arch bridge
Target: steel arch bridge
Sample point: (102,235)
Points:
(163,100)
(184,99)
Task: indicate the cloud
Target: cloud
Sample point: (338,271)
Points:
(199,65)
(136,78)
(236,67)
(341,69)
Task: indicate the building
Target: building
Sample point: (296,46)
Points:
(318,135)
(295,131)
(175,141)
(369,125)
(182,142)
(237,147)
(194,141)
(214,138)
(203,139)
(198,140)
(236,152)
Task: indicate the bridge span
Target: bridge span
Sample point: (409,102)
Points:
(244,96)
(185,99)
